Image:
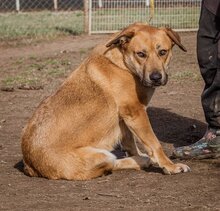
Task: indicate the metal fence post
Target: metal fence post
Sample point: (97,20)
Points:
(147,3)
(100,4)
(55,3)
(17,2)
(86,16)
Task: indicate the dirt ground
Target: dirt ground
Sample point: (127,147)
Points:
(175,112)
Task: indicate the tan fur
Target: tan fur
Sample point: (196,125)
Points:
(72,132)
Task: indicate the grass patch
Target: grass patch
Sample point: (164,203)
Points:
(36,71)
(183,75)
(40,25)
(20,80)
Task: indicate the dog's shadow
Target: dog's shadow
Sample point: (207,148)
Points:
(169,127)
(175,129)
(19,166)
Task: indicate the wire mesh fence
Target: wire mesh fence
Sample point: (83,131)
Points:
(30,5)
(31,19)
(51,18)
(112,15)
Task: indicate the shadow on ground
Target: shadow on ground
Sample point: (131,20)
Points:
(175,129)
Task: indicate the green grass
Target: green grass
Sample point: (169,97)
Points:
(183,75)
(40,25)
(47,24)
(34,71)
(20,80)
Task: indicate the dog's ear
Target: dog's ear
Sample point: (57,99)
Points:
(174,36)
(121,38)
(125,35)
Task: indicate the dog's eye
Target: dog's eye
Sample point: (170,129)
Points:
(162,52)
(141,54)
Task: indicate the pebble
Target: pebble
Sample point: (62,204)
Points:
(3,120)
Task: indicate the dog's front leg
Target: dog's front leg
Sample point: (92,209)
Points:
(137,121)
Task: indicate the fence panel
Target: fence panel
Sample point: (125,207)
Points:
(111,15)
(50,18)
(36,5)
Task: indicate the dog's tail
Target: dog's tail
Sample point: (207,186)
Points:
(29,171)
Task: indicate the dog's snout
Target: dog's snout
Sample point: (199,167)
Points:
(155,76)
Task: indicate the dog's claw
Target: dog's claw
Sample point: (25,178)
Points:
(176,169)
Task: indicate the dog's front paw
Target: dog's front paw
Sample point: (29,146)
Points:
(176,168)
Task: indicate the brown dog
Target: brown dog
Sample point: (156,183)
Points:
(104,101)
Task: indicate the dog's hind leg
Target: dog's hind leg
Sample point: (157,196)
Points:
(88,162)
(134,162)
(91,162)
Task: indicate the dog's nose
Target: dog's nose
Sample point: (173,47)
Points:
(155,76)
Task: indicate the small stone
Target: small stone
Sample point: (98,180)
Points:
(172,93)
(3,120)
(64,51)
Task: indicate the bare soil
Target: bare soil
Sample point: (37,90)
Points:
(175,112)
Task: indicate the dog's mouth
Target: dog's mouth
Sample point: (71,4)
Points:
(157,84)
(152,84)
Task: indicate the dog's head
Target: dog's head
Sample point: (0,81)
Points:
(147,51)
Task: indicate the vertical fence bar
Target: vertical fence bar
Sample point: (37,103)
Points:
(55,3)
(17,2)
(147,3)
(86,16)
(90,17)
(100,4)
